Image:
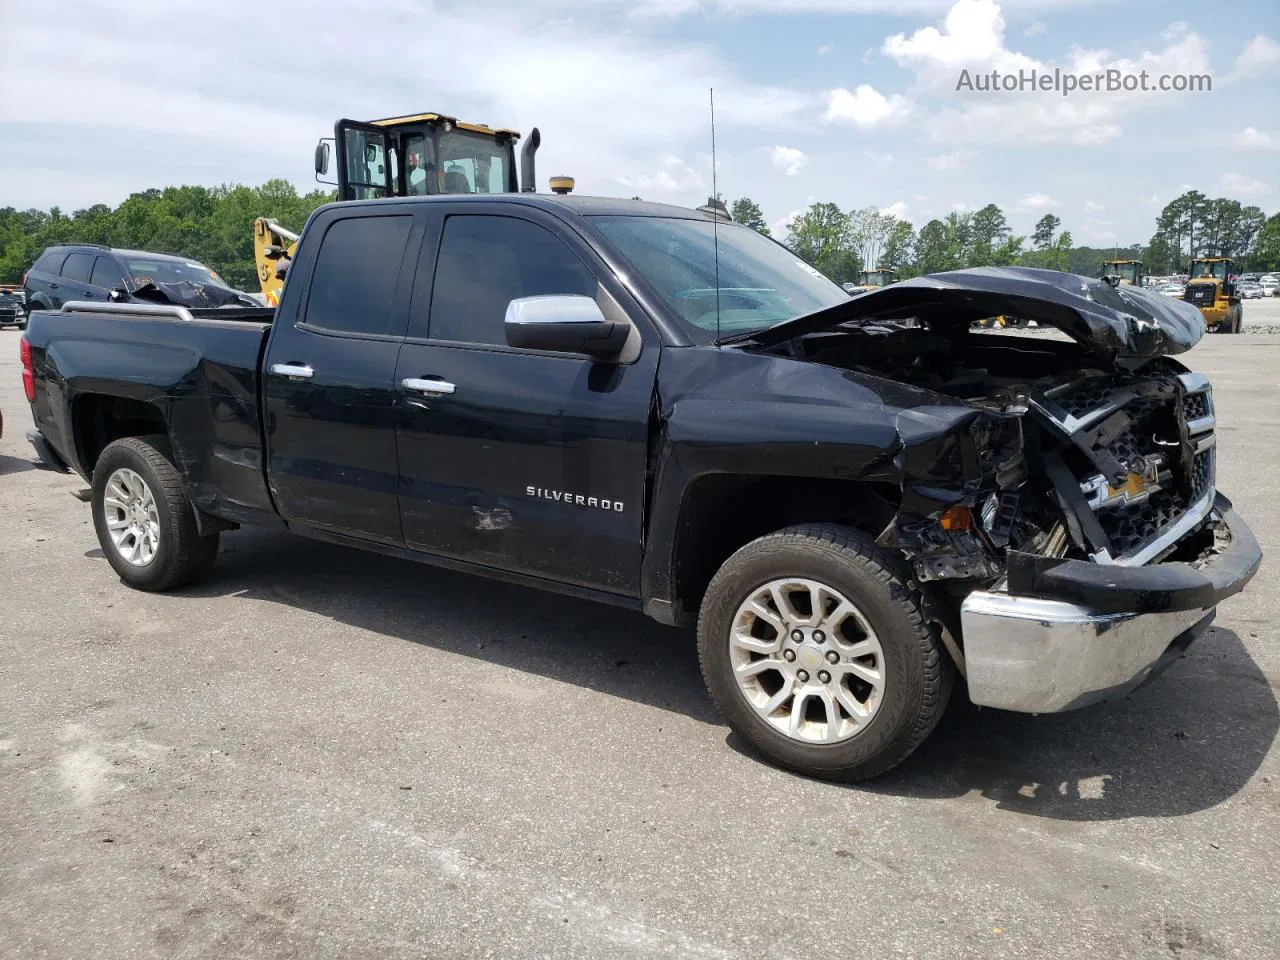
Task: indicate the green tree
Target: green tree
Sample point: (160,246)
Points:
(747,211)
(1046,227)
(989,231)
(820,235)
(897,247)
(1266,248)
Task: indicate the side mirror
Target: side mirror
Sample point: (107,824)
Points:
(564,324)
(322,158)
(118,295)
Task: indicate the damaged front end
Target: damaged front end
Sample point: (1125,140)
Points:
(1108,467)
(1059,499)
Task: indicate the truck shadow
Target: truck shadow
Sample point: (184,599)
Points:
(10,465)
(1185,743)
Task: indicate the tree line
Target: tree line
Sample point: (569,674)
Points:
(843,243)
(215,226)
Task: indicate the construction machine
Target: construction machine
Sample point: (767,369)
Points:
(1212,289)
(415,155)
(872,280)
(1127,272)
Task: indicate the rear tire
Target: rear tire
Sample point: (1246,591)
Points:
(144,521)
(871,683)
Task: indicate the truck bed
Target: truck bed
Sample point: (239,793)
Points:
(196,370)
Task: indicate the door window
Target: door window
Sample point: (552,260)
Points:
(106,274)
(354,282)
(78,267)
(485,262)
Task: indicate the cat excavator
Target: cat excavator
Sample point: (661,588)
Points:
(415,155)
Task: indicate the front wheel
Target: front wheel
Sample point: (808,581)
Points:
(815,649)
(144,521)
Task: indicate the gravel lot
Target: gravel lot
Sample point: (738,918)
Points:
(321,753)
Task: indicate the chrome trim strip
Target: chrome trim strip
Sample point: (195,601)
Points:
(1193,382)
(1206,443)
(1203,425)
(134,309)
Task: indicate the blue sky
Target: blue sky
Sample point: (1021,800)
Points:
(849,101)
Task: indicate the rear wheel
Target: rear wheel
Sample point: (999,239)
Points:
(815,648)
(144,521)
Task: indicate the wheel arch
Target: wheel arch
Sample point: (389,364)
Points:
(720,513)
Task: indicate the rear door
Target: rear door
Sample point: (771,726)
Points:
(74,284)
(328,382)
(528,461)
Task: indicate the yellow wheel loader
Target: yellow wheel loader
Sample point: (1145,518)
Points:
(1212,289)
(1127,272)
(872,280)
(415,155)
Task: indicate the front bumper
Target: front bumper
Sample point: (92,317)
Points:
(1072,633)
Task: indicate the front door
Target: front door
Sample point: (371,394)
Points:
(526,461)
(328,381)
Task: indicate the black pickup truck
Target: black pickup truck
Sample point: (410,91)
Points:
(856,499)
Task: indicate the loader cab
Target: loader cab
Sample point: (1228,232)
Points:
(419,155)
(1128,272)
(876,278)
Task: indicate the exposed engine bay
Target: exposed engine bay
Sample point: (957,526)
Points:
(1062,455)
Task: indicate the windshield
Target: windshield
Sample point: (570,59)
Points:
(143,271)
(761,282)
(1217,269)
(472,162)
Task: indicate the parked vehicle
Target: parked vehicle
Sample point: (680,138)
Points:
(13,308)
(1249,290)
(1269,286)
(88,272)
(637,404)
(1175,290)
(1212,290)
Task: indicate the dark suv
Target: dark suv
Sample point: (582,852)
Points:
(13,308)
(84,271)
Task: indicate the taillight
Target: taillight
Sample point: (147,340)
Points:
(28,374)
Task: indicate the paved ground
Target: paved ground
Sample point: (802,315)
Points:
(321,753)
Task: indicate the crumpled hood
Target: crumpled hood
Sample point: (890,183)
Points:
(1113,322)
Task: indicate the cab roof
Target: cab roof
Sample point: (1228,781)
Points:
(583,206)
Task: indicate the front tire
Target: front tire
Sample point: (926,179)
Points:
(144,521)
(816,650)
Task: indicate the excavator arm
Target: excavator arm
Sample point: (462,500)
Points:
(273,248)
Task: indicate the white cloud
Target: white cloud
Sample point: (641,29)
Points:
(1260,55)
(677,8)
(1037,202)
(610,104)
(972,33)
(780,228)
(1093,205)
(897,209)
(787,160)
(1251,138)
(972,38)
(824,49)
(1239,187)
(950,161)
(672,176)
(1036,29)
(878,159)
(962,207)
(865,107)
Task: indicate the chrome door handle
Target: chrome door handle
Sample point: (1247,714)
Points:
(434,387)
(292,370)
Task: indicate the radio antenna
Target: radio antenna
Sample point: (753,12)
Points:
(715,216)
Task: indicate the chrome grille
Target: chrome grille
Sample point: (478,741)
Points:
(1160,501)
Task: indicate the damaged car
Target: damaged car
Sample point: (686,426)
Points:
(857,502)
